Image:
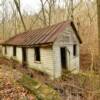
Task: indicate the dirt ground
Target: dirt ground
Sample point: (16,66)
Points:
(14,74)
(9,88)
(69,86)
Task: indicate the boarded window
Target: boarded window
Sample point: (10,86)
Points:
(74,49)
(5,50)
(14,51)
(37,54)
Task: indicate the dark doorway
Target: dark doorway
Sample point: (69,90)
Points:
(74,49)
(14,51)
(5,50)
(24,56)
(37,54)
(63,57)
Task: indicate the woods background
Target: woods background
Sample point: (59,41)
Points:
(14,20)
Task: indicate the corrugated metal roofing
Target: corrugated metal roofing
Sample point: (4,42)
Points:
(39,36)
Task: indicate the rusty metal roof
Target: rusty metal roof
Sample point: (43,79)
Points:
(40,36)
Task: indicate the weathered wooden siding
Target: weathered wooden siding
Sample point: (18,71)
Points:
(19,54)
(46,64)
(57,61)
(74,60)
(66,39)
(47,60)
(9,51)
(3,50)
(50,56)
(46,55)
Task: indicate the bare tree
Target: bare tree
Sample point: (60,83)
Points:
(17,3)
(43,12)
(14,16)
(71,10)
(98,13)
(51,5)
(47,8)
(3,17)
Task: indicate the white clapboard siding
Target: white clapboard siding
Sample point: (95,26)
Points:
(9,51)
(3,50)
(31,59)
(50,56)
(19,54)
(66,39)
(57,61)
(47,59)
(46,63)
(74,60)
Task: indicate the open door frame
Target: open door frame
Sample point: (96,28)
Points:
(63,55)
(24,56)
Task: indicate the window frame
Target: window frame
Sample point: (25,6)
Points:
(37,54)
(14,51)
(75,50)
(5,48)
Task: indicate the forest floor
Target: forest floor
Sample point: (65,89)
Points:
(9,88)
(16,85)
(73,86)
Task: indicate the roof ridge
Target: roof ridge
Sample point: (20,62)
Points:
(39,36)
(51,25)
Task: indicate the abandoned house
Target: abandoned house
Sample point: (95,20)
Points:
(50,50)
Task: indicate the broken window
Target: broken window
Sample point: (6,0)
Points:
(37,54)
(14,51)
(74,49)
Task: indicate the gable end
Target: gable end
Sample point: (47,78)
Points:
(76,32)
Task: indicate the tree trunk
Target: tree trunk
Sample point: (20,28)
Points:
(71,10)
(98,13)
(17,3)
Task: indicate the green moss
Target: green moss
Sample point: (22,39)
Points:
(40,90)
